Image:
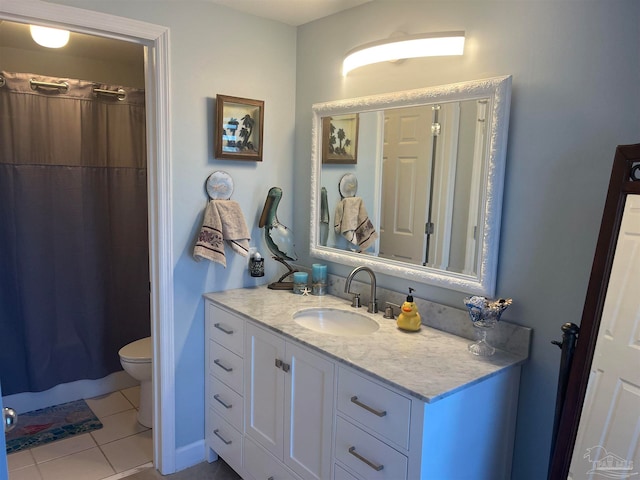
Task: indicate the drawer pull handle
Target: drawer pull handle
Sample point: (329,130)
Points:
(378,413)
(352,451)
(226,442)
(226,369)
(220,327)
(221,402)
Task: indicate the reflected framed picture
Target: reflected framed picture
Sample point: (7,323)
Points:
(239,126)
(340,139)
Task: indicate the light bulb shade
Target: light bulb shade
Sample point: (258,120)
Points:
(49,37)
(412,46)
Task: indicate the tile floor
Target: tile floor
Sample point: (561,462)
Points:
(122,446)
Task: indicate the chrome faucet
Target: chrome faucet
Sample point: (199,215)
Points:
(373,302)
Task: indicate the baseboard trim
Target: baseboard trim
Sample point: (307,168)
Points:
(190,455)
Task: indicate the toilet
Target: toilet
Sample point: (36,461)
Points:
(136,359)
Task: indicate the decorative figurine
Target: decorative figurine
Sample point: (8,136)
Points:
(279,238)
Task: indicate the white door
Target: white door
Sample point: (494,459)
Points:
(3,446)
(607,444)
(408,145)
(308,413)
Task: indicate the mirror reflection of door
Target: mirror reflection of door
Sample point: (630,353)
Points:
(607,439)
(406,160)
(432,170)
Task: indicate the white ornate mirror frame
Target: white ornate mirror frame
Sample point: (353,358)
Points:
(498,91)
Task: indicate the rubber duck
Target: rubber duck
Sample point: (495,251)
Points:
(409,318)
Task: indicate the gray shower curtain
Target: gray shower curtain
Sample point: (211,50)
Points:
(74,269)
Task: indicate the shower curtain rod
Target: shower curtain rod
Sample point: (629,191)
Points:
(120,93)
(60,86)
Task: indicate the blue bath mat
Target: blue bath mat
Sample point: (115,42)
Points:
(50,424)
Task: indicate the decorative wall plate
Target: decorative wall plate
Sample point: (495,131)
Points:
(219,185)
(348,185)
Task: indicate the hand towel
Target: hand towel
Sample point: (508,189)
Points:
(352,222)
(223,221)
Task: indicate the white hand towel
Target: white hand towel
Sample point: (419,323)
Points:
(223,221)
(351,220)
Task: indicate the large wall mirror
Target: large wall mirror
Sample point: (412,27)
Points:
(410,183)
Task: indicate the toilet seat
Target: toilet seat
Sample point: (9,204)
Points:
(139,351)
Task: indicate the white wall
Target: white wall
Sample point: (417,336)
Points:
(215,50)
(575,67)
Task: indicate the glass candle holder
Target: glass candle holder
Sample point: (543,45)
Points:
(300,280)
(318,279)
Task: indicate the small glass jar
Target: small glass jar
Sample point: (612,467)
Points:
(256,265)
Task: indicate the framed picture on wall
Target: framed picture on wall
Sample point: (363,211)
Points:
(340,139)
(239,123)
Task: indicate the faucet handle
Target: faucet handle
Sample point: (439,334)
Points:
(355,303)
(388,312)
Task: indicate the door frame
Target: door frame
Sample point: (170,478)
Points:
(156,40)
(625,180)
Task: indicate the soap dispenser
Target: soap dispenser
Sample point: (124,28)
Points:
(409,318)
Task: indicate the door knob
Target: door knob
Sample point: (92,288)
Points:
(9,418)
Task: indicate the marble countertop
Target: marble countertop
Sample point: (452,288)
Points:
(429,364)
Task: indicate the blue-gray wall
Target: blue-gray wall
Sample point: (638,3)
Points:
(215,50)
(575,67)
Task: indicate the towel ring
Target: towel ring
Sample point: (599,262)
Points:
(348,185)
(219,185)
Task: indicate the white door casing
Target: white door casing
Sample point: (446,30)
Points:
(607,443)
(156,40)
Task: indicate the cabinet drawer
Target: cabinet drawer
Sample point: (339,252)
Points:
(226,402)
(225,440)
(226,329)
(226,366)
(374,406)
(261,465)
(366,455)
(340,473)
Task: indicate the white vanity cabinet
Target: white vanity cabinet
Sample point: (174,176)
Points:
(289,407)
(224,384)
(277,408)
(382,433)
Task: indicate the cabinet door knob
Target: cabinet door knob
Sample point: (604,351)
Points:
(226,369)
(377,468)
(286,367)
(226,442)
(221,402)
(220,327)
(378,413)
(278,363)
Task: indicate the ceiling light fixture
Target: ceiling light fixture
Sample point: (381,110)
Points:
(49,37)
(410,46)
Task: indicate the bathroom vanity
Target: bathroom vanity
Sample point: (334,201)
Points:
(286,402)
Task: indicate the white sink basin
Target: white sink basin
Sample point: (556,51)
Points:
(335,321)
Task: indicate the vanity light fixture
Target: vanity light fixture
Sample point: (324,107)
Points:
(49,37)
(400,48)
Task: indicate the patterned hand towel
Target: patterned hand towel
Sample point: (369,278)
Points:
(223,221)
(352,222)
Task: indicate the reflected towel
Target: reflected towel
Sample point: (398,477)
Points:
(223,221)
(352,222)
